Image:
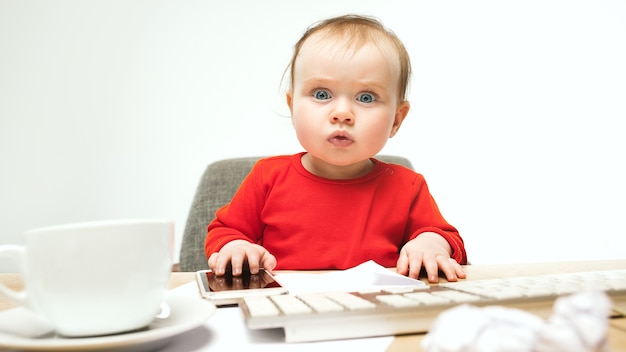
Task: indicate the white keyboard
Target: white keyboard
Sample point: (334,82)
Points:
(403,310)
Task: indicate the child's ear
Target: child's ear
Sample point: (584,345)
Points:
(289,98)
(401,112)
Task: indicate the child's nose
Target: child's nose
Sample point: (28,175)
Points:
(342,112)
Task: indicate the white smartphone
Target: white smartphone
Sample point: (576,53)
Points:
(228,289)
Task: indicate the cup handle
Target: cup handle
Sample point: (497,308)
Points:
(17,297)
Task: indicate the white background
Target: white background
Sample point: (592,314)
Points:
(112,109)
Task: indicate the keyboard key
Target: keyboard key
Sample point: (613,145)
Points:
(291,305)
(456,296)
(350,301)
(321,303)
(405,289)
(397,301)
(427,299)
(260,306)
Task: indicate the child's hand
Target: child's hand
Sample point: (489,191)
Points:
(238,252)
(431,251)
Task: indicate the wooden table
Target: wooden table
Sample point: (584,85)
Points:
(407,343)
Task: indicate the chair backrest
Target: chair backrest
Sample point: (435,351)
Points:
(218,184)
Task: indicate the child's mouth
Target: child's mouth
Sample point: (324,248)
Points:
(341,139)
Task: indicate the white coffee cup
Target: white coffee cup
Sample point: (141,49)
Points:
(95,278)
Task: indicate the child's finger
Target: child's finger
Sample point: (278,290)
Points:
(432,269)
(402,265)
(268,261)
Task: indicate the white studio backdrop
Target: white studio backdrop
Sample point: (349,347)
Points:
(112,109)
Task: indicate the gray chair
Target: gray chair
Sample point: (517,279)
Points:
(218,184)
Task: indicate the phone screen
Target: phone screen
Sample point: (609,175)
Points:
(246,281)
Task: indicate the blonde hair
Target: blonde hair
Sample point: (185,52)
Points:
(357,31)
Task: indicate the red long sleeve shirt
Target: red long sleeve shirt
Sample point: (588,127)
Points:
(309,222)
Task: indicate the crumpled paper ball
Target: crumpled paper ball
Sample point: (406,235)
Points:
(579,323)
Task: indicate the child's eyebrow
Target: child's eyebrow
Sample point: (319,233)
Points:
(376,84)
(319,81)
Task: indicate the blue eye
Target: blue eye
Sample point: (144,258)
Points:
(366,98)
(321,94)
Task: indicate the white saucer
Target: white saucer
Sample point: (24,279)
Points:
(186,313)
